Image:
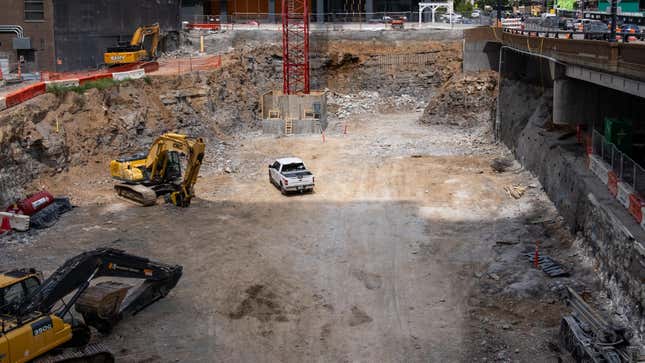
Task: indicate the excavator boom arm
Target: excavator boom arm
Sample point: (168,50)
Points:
(141,33)
(76,273)
(194,149)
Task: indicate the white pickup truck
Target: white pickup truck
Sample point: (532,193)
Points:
(291,175)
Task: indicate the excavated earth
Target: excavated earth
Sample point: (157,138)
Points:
(410,249)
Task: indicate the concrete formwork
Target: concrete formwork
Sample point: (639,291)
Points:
(305,113)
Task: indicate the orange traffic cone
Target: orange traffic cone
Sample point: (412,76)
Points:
(6,226)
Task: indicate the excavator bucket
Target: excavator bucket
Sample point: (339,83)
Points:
(100,305)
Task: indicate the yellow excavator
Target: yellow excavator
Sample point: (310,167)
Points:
(134,51)
(35,314)
(146,176)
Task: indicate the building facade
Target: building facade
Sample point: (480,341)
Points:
(33,19)
(84,29)
(237,9)
(65,35)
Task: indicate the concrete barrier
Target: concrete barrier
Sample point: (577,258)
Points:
(136,74)
(19,222)
(512,23)
(612,183)
(599,167)
(624,191)
(84,80)
(636,207)
(62,83)
(24,94)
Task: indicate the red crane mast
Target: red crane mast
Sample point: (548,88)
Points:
(295,46)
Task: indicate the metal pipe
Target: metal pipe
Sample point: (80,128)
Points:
(13,29)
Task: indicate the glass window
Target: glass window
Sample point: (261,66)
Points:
(293,167)
(34,10)
(13,294)
(31,284)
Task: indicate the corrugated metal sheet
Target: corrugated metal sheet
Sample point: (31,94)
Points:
(84,29)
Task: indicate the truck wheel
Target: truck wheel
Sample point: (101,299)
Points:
(282,190)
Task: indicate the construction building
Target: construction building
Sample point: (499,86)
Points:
(263,8)
(27,31)
(63,35)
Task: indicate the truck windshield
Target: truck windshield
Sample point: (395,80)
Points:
(287,168)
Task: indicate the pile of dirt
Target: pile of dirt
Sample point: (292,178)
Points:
(467,100)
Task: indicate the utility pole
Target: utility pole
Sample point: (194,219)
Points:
(499,13)
(612,32)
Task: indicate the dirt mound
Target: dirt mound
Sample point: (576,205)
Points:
(466,100)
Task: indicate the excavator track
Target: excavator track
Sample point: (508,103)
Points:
(137,193)
(91,353)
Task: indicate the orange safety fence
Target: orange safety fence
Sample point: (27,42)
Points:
(187,65)
(58,76)
(203,26)
(24,94)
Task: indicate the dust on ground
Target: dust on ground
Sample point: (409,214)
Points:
(393,258)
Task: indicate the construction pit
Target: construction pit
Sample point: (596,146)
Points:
(411,248)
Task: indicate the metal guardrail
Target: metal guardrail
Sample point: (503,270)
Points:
(626,59)
(337,17)
(624,37)
(627,170)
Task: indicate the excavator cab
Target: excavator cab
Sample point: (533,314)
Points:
(35,314)
(15,286)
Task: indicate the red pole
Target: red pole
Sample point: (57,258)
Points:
(536,258)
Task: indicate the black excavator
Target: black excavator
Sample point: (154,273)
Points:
(591,338)
(37,324)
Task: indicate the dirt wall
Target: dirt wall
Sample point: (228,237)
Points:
(608,236)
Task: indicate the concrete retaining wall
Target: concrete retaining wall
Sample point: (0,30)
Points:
(480,55)
(276,127)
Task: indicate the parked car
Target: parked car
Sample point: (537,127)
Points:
(291,175)
(456,18)
(632,28)
(596,30)
(475,14)
(569,24)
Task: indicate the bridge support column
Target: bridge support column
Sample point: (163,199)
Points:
(574,102)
